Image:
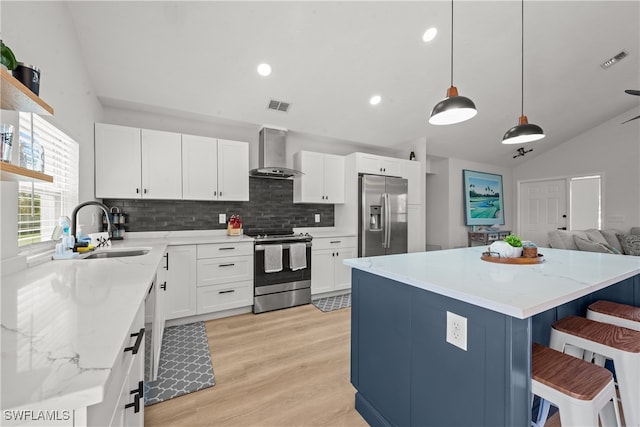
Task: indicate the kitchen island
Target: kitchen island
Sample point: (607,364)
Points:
(405,371)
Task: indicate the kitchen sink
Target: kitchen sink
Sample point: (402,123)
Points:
(117,253)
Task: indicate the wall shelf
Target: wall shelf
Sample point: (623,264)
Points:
(9,172)
(17,97)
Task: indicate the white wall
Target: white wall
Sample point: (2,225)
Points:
(41,33)
(612,150)
(445,200)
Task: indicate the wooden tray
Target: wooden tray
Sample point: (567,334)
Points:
(518,261)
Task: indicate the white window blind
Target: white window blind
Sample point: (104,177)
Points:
(40,204)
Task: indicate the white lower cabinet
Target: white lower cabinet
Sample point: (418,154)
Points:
(224,296)
(224,276)
(123,403)
(328,272)
(180,294)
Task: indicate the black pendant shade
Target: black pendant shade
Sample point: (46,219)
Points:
(523,132)
(452,109)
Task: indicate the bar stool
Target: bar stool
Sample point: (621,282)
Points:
(623,315)
(583,392)
(574,334)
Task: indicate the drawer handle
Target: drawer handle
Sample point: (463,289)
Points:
(226,265)
(135,404)
(139,390)
(164,286)
(336,241)
(227,292)
(139,335)
(226,249)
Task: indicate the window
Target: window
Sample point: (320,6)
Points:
(41,204)
(585,203)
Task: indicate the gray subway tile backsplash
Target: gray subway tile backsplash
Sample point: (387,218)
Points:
(270,205)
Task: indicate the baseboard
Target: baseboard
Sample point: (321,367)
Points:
(208,316)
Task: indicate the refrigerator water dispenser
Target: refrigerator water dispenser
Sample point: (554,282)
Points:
(374,217)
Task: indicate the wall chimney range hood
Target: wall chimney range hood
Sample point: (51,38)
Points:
(271,155)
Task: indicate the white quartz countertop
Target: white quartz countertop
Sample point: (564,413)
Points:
(63,323)
(519,291)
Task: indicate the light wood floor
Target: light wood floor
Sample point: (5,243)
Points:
(278,369)
(282,368)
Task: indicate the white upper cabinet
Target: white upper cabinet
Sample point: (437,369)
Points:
(378,165)
(214,169)
(199,168)
(118,160)
(323,179)
(233,170)
(133,163)
(161,165)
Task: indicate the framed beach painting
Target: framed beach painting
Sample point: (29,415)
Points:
(483,198)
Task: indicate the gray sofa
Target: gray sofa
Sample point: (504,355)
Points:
(605,241)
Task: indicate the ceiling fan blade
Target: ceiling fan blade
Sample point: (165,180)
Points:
(627,121)
(633,92)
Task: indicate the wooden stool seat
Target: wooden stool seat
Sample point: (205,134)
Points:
(617,337)
(596,341)
(615,313)
(567,374)
(584,393)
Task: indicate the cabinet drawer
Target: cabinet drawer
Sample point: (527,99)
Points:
(225,296)
(334,242)
(213,271)
(214,250)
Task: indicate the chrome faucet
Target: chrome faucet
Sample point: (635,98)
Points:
(74,215)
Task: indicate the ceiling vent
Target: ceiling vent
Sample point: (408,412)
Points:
(611,61)
(278,105)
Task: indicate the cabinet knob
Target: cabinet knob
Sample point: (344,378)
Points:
(137,191)
(139,390)
(145,191)
(215,193)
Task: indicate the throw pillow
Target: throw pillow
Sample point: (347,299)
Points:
(612,249)
(630,244)
(590,246)
(595,236)
(611,237)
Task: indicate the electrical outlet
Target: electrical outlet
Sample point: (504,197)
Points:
(222,218)
(317,217)
(457,330)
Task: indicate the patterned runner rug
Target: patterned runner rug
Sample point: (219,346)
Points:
(333,303)
(185,364)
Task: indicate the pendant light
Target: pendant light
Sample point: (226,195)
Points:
(524,131)
(454,108)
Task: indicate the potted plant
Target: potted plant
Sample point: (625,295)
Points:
(6,57)
(516,243)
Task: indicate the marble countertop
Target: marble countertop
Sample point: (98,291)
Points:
(63,322)
(519,291)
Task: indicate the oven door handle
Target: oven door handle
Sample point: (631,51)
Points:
(284,246)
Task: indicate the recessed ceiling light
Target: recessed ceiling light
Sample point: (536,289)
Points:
(264,69)
(375,100)
(430,34)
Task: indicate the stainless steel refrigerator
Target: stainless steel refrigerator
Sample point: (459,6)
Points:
(382,214)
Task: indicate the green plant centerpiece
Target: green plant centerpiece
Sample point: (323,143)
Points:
(513,240)
(6,57)
(516,242)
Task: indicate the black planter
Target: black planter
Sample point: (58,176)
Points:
(29,76)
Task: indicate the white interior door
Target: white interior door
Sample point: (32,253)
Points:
(543,208)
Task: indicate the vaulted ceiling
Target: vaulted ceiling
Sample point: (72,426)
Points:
(329,58)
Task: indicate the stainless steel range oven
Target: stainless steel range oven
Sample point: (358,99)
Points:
(276,284)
